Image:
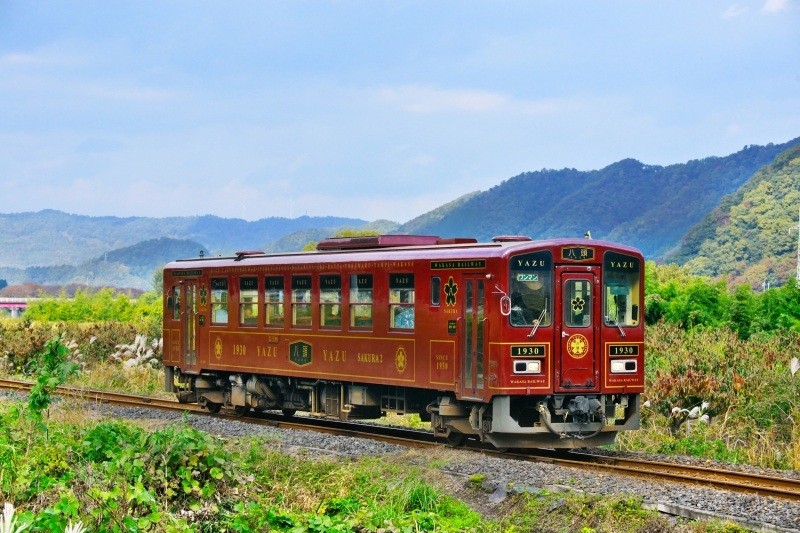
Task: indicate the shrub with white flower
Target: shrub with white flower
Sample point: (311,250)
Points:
(140,352)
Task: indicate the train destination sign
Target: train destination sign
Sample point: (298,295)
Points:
(186,273)
(620,262)
(460,265)
(535,262)
(577,253)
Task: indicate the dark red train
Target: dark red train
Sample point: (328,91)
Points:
(516,342)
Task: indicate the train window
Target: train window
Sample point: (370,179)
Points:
(401,300)
(436,291)
(621,289)
(578,303)
(531,289)
(273,298)
(361,300)
(174,302)
(219,300)
(301,300)
(248,301)
(330,301)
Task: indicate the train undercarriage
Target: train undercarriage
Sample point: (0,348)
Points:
(549,421)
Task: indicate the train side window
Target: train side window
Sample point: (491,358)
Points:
(301,300)
(578,303)
(436,291)
(361,300)
(219,300)
(330,301)
(401,300)
(248,301)
(621,289)
(273,300)
(174,302)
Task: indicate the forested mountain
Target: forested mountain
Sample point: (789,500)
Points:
(421,224)
(752,235)
(647,206)
(49,237)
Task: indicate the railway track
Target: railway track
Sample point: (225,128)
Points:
(744,482)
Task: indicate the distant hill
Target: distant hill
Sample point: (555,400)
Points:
(752,235)
(130,267)
(295,241)
(421,224)
(647,206)
(49,237)
(719,215)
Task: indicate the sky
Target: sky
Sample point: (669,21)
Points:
(371,109)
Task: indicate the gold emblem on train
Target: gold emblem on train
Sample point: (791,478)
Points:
(450,291)
(577,346)
(218,348)
(203,297)
(400,360)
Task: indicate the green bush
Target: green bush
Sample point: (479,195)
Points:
(102,306)
(677,297)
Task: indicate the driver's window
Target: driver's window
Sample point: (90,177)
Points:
(531,289)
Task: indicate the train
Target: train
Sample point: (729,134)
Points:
(517,343)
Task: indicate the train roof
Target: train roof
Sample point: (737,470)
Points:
(398,248)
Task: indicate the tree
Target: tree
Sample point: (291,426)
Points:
(158,281)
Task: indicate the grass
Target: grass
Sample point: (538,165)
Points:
(116,475)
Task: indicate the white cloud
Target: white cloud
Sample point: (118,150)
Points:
(419,99)
(107,91)
(421,161)
(734,11)
(774,6)
(45,57)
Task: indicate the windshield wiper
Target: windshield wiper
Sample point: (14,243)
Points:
(536,324)
(615,323)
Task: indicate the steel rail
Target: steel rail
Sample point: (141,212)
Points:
(745,482)
(733,480)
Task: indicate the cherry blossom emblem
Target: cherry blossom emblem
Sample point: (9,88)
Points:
(577,346)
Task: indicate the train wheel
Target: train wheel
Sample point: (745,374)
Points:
(288,413)
(213,407)
(241,410)
(455,439)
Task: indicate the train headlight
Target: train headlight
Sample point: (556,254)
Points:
(527,367)
(623,366)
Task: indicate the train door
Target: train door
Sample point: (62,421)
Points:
(189,326)
(577,358)
(473,337)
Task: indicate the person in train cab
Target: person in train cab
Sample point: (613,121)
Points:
(528,300)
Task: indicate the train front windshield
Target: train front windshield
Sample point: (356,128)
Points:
(621,289)
(531,289)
